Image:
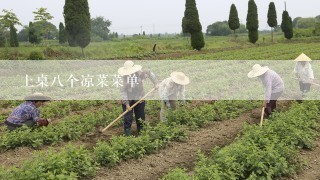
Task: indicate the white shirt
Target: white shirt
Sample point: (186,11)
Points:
(305,72)
(168,88)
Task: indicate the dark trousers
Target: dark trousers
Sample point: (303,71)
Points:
(271,106)
(304,87)
(138,113)
(12,127)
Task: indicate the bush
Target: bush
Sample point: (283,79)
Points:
(36,55)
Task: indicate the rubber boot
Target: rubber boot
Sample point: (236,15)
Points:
(139,129)
(127,132)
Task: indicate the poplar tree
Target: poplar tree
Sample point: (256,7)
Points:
(77,22)
(286,25)
(234,22)
(272,18)
(191,24)
(252,22)
(13,36)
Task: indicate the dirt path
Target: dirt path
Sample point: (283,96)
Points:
(311,171)
(181,154)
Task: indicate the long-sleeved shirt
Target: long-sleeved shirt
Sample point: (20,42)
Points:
(304,72)
(24,112)
(133,85)
(169,89)
(272,83)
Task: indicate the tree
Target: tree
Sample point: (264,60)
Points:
(272,18)
(46,29)
(306,23)
(233,21)
(2,36)
(33,37)
(191,24)
(286,25)
(23,35)
(197,40)
(100,27)
(62,34)
(318,18)
(190,21)
(41,15)
(222,29)
(13,36)
(77,22)
(8,21)
(9,18)
(252,22)
(295,21)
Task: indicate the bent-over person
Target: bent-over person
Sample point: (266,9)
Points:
(28,113)
(272,83)
(171,89)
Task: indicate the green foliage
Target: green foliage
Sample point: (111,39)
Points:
(23,35)
(45,29)
(70,163)
(272,15)
(36,55)
(34,38)
(303,32)
(286,25)
(13,36)
(267,152)
(177,174)
(197,40)
(77,22)
(222,29)
(253,36)
(100,27)
(190,21)
(233,21)
(122,148)
(305,23)
(9,18)
(272,18)
(2,38)
(42,15)
(252,21)
(63,36)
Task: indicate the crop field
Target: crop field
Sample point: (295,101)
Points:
(206,139)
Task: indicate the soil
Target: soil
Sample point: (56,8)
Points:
(183,154)
(179,154)
(311,170)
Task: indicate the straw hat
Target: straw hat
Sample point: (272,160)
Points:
(129,68)
(257,70)
(37,97)
(302,57)
(179,78)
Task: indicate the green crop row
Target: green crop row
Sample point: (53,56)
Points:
(119,148)
(262,153)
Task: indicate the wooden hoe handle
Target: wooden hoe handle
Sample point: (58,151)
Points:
(121,115)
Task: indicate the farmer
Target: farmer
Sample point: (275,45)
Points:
(170,89)
(304,73)
(131,91)
(28,113)
(273,84)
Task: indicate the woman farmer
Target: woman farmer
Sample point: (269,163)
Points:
(273,85)
(304,73)
(170,89)
(28,113)
(131,91)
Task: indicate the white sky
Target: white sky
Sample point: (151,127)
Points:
(160,16)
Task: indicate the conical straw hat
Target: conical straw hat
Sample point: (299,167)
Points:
(302,57)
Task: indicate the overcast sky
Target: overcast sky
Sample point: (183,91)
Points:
(160,16)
